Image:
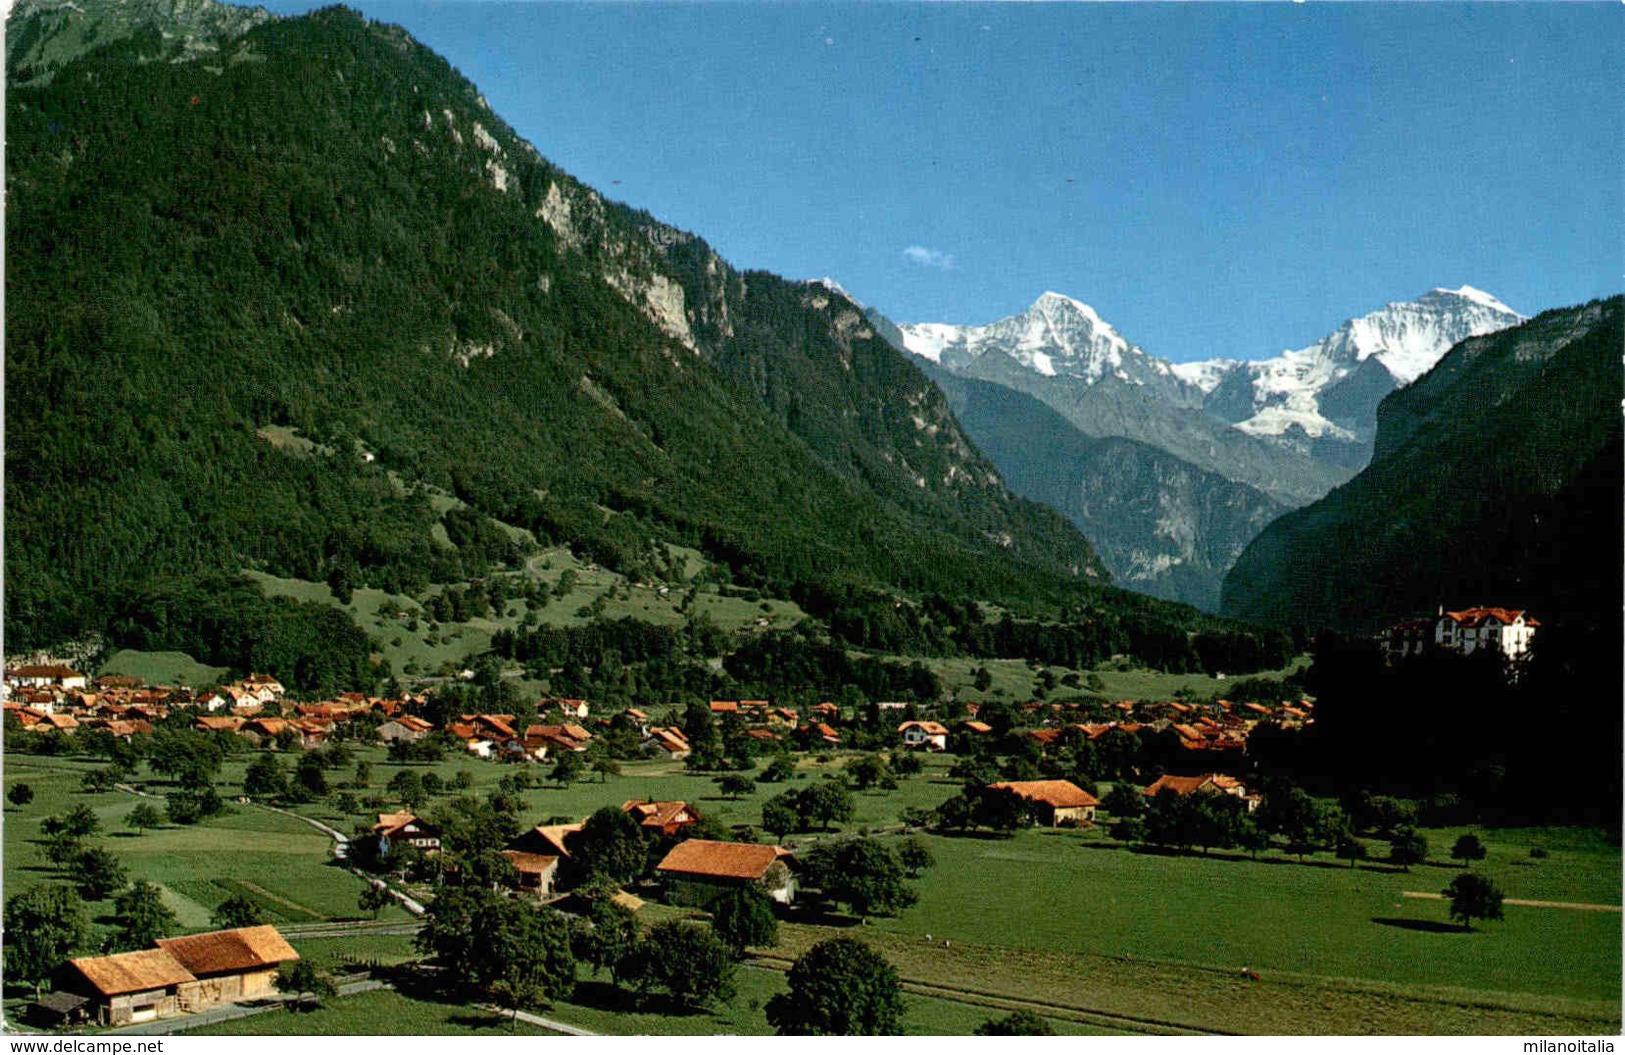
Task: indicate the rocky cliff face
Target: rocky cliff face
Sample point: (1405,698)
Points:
(1161,525)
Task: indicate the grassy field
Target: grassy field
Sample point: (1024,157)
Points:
(1228,914)
(1108,935)
(377,1013)
(424,650)
(277,861)
(596,1006)
(1013,680)
(162,668)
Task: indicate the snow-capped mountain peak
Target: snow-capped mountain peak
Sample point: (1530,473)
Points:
(1057,336)
(1062,337)
(1478,296)
(1406,337)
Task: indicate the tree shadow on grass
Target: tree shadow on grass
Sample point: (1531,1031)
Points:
(605,996)
(822,916)
(1427,926)
(976,833)
(476,1020)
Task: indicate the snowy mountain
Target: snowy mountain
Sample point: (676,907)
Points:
(1056,337)
(1329,389)
(1214,447)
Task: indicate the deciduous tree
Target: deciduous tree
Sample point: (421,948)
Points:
(1468,849)
(144,816)
(141,917)
(839,987)
(742,917)
(1473,897)
(684,960)
(238,910)
(43,927)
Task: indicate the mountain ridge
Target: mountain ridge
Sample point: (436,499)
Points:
(1491,481)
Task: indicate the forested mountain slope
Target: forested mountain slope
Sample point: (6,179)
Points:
(263,300)
(1496,479)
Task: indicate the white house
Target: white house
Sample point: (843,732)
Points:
(932,736)
(46,676)
(211,701)
(1507,630)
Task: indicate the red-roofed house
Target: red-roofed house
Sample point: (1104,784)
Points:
(46,676)
(666,818)
(1506,630)
(669,742)
(1205,784)
(179,975)
(546,839)
(1058,803)
(406,828)
(698,870)
(535,872)
(932,736)
(406,727)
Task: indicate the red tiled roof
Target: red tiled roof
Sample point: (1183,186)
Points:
(659,814)
(52,670)
(1059,794)
(928,728)
(1478,616)
(530,864)
(228,951)
(553,835)
(670,739)
(722,860)
(132,972)
(1178,785)
(724,707)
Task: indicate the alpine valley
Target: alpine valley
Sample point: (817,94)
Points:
(1172,468)
(397,527)
(290,299)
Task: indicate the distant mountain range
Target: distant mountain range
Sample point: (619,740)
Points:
(1248,438)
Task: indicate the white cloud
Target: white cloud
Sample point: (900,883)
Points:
(919,254)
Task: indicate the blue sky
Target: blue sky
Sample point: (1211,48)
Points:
(1213,179)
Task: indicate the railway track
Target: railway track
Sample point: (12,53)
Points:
(1088,1016)
(351,928)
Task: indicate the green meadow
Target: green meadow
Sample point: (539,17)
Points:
(1096,934)
(278,861)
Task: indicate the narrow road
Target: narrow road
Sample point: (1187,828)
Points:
(538,1020)
(1580,906)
